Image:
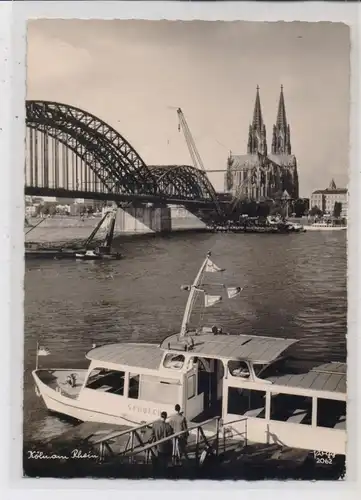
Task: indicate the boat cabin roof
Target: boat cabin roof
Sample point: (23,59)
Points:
(327,377)
(252,348)
(145,355)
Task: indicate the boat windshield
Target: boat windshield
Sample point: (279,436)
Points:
(274,369)
(104,380)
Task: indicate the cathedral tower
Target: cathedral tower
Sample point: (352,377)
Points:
(257,141)
(281,139)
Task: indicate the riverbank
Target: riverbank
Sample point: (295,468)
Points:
(61,229)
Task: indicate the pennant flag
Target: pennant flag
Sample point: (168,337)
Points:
(212,268)
(42,351)
(210,300)
(234,291)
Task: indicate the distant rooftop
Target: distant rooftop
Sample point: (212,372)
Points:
(249,161)
(332,189)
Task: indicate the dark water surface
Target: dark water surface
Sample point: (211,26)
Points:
(294,286)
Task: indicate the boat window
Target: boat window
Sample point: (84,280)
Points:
(258,369)
(133,391)
(174,361)
(331,413)
(290,408)
(191,386)
(246,402)
(110,381)
(238,369)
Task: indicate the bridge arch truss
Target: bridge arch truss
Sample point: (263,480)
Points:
(69,150)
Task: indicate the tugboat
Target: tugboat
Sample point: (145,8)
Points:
(244,379)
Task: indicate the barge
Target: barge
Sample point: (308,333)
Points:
(87,251)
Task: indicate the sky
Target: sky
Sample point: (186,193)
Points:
(133,74)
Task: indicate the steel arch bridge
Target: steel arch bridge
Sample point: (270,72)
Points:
(72,153)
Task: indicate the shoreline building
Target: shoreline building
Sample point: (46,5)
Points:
(259,174)
(325,199)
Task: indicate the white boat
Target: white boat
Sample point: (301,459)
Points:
(242,378)
(327,225)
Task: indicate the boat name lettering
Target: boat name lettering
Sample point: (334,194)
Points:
(142,409)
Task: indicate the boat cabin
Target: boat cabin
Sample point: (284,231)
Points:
(238,377)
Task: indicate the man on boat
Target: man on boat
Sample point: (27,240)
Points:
(179,424)
(160,430)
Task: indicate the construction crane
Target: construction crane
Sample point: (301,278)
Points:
(193,151)
(198,163)
(192,148)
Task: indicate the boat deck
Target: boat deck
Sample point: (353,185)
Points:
(57,380)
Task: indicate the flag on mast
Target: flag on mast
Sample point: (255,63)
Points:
(42,351)
(210,300)
(211,267)
(233,291)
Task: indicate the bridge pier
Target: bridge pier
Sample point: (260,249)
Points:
(143,219)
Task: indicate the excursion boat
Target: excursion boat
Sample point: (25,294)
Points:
(244,379)
(327,225)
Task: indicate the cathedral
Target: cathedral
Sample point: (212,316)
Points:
(260,175)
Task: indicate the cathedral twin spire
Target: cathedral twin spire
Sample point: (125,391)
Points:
(257,140)
(281,138)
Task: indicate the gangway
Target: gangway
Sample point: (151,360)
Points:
(133,445)
(214,449)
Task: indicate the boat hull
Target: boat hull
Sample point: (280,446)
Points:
(324,228)
(98,257)
(66,254)
(76,409)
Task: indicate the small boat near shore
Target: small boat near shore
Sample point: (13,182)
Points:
(247,380)
(327,224)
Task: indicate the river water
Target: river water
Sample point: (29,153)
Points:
(294,287)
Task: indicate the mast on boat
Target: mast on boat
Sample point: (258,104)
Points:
(192,297)
(196,287)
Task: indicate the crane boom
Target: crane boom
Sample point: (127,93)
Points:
(193,151)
